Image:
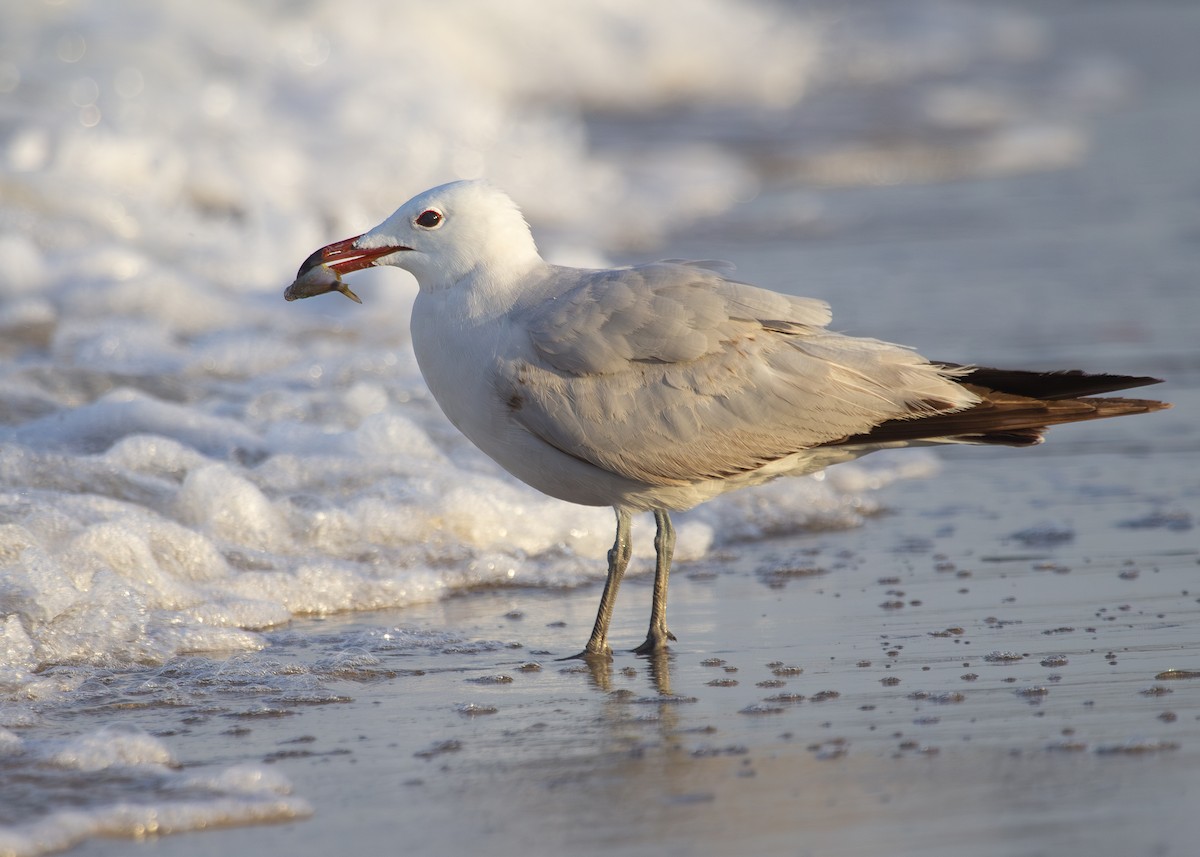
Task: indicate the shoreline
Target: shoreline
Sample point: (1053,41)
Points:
(959,692)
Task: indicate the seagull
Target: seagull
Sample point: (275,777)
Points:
(656,387)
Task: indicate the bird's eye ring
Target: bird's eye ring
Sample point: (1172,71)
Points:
(429,219)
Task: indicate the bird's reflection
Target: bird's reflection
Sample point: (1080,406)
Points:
(657,667)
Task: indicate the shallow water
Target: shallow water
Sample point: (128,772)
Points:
(938,680)
(250,574)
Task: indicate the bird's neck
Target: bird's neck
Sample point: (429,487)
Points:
(486,290)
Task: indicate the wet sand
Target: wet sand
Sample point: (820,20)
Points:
(943,680)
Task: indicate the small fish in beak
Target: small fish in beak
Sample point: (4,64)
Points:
(322,271)
(316,278)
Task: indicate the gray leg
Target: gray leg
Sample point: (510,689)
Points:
(618,561)
(664,547)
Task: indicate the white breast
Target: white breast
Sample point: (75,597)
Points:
(458,357)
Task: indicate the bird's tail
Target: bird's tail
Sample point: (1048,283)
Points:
(1016,407)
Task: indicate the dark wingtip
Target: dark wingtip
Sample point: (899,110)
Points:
(1061,384)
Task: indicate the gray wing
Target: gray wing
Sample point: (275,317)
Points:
(669,373)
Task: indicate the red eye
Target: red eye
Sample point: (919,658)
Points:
(429,219)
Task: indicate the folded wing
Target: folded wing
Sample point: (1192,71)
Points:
(669,374)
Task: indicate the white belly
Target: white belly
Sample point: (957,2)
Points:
(458,363)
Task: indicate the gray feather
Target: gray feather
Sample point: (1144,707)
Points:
(669,374)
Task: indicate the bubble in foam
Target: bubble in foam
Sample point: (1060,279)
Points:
(232,508)
(125,411)
(16,649)
(244,779)
(154,797)
(365,398)
(154,455)
(118,547)
(117,745)
(391,434)
(227,612)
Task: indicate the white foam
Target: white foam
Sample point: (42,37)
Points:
(154,797)
(24,265)
(230,508)
(95,427)
(109,747)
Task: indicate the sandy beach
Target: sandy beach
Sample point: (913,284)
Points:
(938,681)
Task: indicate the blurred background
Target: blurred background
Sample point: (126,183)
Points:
(163,163)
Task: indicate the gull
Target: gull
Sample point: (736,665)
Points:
(656,387)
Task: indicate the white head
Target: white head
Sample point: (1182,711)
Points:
(442,236)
